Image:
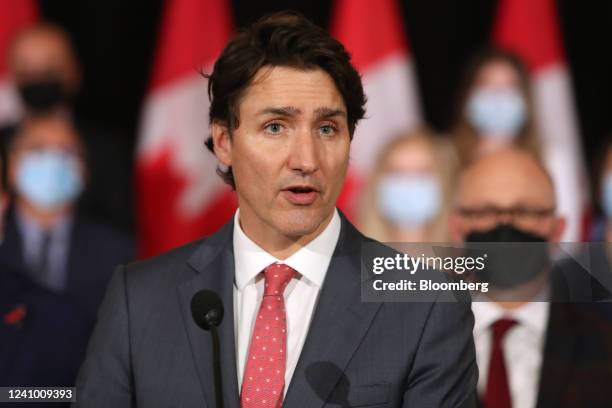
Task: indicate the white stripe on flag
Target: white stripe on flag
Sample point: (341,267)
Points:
(561,150)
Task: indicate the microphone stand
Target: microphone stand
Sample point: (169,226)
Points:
(207,312)
(217,367)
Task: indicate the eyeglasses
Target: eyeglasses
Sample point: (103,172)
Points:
(519,215)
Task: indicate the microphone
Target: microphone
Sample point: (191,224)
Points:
(207,312)
(207,309)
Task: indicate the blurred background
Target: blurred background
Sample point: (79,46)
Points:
(116,41)
(124,53)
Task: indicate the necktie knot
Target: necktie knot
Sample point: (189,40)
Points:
(277,278)
(501,327)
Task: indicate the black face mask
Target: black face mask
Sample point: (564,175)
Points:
(43,95)
(524,256)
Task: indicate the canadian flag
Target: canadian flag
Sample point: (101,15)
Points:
(530,29)
(179,196)
(375,38)
(14,15)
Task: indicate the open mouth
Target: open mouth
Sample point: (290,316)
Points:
(301,190)
(300,195)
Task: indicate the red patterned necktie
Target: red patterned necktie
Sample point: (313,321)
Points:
(498,389)
(264,377)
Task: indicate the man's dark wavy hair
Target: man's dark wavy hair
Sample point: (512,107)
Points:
(282,39)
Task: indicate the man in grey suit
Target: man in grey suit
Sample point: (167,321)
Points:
(284,104)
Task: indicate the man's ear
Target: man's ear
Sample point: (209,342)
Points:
(222,143)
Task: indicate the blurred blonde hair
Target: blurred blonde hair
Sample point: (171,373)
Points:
(371,221)
(464,135)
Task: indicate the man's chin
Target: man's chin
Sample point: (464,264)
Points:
(301,222)
(297,229)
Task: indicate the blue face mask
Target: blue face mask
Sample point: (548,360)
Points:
(49,179)
(409,201)
(496,112)
(606,195)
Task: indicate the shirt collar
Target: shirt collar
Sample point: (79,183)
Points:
(311,261)
(28,227)
(533,315)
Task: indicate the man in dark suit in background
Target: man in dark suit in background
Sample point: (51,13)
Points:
(45,236)
(43,335)
(284,104)
(534,345)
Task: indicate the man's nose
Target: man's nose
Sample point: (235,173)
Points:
(304,153)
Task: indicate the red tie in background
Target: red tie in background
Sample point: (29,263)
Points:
(264,378)
(498,389)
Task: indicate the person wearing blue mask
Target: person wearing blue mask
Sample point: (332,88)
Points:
(43,66)
(45,236)
(407,197)
(494,108)
(43,335)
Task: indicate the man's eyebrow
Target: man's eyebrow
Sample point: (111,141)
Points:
(329,112)
(281,110)
(324,112)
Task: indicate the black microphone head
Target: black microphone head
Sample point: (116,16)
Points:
(207,309)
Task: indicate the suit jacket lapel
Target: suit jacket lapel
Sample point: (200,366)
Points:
(339,323)
(213,263)
(559,350)
(11,250)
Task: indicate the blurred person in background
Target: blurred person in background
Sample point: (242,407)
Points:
(534,347)
(494,108)
(407,198)
(602,228)
(45,236)
(46,72)
(599,256)
(43,335)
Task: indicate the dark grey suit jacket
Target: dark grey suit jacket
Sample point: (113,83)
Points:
(94,250)
(147,351)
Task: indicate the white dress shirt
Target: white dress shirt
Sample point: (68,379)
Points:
(311,263)
(523,346)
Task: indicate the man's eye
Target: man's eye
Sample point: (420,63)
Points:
(274,128)
(327,130)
